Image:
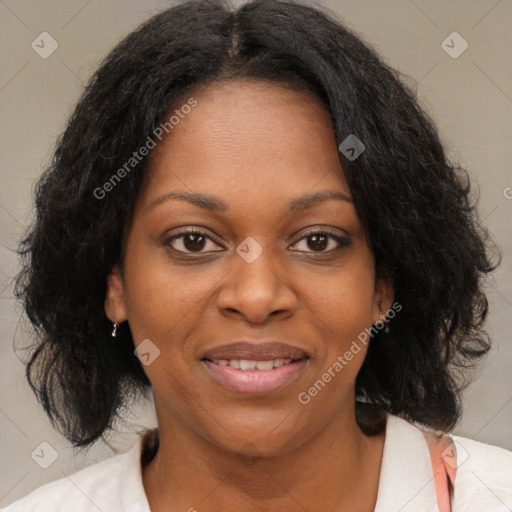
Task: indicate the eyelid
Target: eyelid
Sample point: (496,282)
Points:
(321,230)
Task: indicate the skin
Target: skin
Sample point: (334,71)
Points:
(257,146)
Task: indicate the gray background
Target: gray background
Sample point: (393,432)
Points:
(469,97)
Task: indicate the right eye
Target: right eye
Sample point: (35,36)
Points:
(193,240)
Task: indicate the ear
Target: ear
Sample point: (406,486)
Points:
(384,295)
(114,297)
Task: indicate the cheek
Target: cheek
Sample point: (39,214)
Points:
(159,298)
(160,307)
(344,298)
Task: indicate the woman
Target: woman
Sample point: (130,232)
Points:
(249,216)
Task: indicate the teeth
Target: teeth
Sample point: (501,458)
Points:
(265,365)
(249,364)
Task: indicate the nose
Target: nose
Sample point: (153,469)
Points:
(257,289)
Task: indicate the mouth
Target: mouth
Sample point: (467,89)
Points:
(255,369)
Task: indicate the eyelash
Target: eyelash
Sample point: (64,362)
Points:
(343,242)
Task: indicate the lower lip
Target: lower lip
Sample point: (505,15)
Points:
(255,382)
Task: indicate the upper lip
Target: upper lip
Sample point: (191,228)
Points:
(255,351)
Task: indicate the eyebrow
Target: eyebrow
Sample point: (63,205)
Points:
(216,204)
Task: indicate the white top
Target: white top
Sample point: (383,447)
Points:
(483,482)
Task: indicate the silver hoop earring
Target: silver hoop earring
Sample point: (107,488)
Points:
(116,325)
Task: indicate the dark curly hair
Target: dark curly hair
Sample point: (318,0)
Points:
(414,203)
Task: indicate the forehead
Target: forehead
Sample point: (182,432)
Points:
(242,135)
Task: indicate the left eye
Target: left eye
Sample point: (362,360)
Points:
(319,240)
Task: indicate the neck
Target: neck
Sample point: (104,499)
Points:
(338,469)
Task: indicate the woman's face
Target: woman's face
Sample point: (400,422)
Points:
(253,157)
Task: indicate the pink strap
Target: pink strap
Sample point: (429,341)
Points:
(443,456)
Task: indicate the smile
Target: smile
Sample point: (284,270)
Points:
(254,378)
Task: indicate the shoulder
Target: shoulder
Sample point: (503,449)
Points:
(484,475)
(482,472)
(106,485)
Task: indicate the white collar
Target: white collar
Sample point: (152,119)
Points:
(406,481)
